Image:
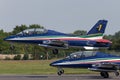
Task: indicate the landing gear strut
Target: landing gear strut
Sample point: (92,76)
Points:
(104,74)
(60,71)
(55,51)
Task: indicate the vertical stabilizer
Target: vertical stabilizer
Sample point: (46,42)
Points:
(99,27)
(97,31)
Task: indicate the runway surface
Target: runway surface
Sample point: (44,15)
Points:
(56,77)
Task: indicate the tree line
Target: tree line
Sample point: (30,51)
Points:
(40,52)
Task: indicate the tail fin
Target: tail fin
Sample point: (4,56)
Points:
(99,27)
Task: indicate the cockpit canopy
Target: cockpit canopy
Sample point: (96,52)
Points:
(81,54)
(33,31)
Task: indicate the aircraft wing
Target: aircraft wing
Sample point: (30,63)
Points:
(105,67)
(54,44)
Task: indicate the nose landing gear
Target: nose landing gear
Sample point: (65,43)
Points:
(55,51)
(60,71)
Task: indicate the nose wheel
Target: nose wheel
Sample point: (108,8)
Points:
(60,71)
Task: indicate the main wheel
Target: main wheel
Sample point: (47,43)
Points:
(117,73)
(104,74)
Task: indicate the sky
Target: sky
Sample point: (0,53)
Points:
(60,15)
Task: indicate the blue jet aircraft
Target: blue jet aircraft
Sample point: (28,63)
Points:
(57,40)
(94,61)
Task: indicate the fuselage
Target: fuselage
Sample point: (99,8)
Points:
(86,60)
(49,35)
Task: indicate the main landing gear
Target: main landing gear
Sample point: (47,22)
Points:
(55,51)
(106,75)
(60,71)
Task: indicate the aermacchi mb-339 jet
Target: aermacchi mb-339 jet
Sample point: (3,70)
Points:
(94,61)
(57,40)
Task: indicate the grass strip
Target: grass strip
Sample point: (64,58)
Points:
(34,67)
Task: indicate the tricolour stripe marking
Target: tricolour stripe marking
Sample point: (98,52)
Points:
(90,61)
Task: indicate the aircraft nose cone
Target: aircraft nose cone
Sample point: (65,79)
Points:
(5,39)
(52,64)
(55,63)
(9,38)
